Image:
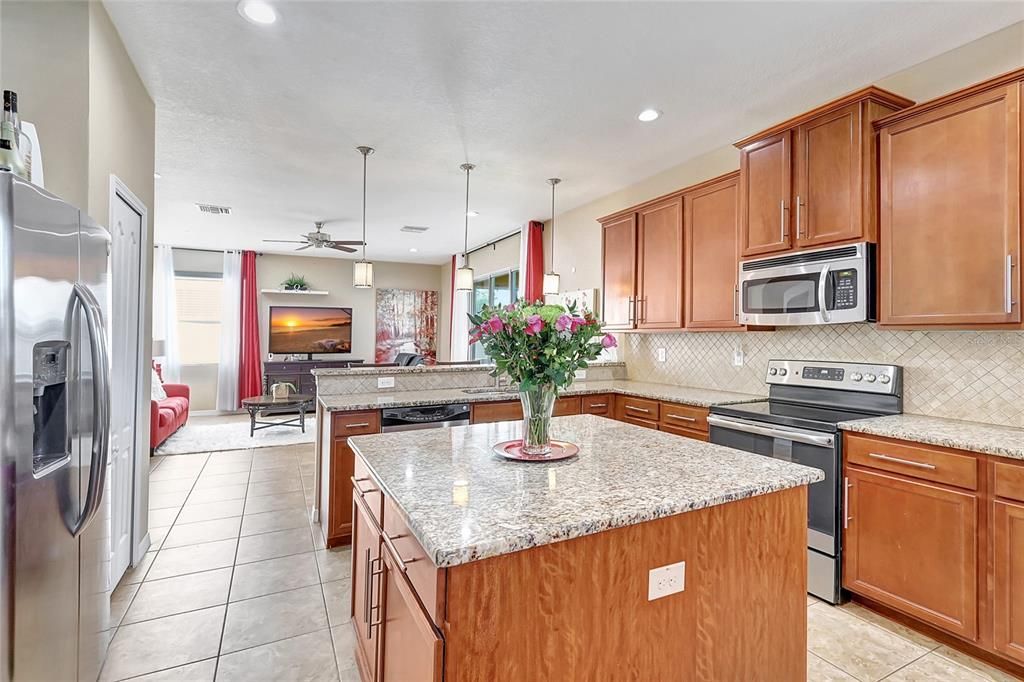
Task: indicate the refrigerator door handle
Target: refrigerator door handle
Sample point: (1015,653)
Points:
(101,403)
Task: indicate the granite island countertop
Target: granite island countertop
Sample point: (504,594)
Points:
(464,503)
(698,397)
(990,439)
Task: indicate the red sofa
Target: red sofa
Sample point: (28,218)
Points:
(168,415)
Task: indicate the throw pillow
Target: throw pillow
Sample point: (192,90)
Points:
(157,393)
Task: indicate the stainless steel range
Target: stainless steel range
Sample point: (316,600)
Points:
(798,423)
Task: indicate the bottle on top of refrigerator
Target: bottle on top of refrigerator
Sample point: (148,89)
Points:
(17,155)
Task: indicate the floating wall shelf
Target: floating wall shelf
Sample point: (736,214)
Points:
(294,292)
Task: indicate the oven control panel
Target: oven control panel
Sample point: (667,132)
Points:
(848,376)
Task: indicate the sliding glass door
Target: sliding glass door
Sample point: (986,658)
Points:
(497,289)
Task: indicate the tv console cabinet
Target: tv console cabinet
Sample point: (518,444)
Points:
(298,372)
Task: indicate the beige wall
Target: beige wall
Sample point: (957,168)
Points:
(335,276)
(578,235)
(44,57)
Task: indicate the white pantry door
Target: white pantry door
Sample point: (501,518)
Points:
(126,293)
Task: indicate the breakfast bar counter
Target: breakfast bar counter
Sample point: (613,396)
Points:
(469,566)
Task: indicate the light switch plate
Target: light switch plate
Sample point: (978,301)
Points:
(737,357)
(666,580)
(581,375)
(385,382)
(662,355)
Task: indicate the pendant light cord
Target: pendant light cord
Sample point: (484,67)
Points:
(465,244)
(553,225)
(364,205)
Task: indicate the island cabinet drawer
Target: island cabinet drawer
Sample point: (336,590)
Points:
(596,404)
(684,416)
(1009,480)
(367,488)
(427,580)
(355,423)
(639,422)
(910,459)
(638,408)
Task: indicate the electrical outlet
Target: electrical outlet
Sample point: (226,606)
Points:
(385,382)
(662,355)
(581,375)
(737,357)
(666,580)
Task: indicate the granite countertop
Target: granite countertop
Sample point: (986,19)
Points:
(990,439)
(464,503)
(698,397)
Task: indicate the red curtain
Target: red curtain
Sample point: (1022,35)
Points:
(250,370)
(533,283)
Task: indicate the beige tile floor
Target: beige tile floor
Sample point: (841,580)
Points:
(237,586)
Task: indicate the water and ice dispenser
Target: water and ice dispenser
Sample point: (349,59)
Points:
(51,443)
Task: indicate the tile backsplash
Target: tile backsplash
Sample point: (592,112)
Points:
(977,376)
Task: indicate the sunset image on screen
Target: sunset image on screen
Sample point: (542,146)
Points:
(310,330)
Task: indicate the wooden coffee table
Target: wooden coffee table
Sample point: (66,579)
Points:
(266,405)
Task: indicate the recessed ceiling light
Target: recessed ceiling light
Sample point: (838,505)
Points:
(157,176)
(472,214)
(413,250)
(648,115)
(257,11)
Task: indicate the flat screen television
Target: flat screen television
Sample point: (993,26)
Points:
(307,329)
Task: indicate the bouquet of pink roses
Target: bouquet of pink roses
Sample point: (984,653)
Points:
(539,345)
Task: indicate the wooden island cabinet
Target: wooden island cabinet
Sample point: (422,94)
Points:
(337,464)
(937,535)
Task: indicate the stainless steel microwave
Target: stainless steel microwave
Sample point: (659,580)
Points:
(834,285)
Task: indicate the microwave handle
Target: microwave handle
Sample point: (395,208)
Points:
(823,280)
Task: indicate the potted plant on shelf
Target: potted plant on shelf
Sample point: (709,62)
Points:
(295,283)
(539,347)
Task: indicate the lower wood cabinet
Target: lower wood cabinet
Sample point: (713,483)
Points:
(366,594)
(410,647)
(938,535)
(337,470)
(1008,561)
(913,545)
(512,410)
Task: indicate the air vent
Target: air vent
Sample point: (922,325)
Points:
(415,229)
(811,257)
(214,210)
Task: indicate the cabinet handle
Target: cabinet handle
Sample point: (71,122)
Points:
(1009,284)
(357,481)
(782,220)
(371,575)
(592,405)
(908,462)
(643,317)
(798,202)
(846,502)
(631,310)
(389,541)
(360,425)
(681,417)
(736,303)
(367,592)
(637,409)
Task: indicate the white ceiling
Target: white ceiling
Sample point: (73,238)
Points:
(265,119)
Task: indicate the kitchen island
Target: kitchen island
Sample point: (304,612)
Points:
(470,567)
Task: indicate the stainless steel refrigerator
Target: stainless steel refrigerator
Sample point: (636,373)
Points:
(54,430)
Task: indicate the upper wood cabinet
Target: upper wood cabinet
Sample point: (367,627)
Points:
(950,186)
(659,302)
(643,266)
(810,181)
(765,189)
(619,265)
(711,240)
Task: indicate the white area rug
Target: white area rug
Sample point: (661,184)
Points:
(233,436)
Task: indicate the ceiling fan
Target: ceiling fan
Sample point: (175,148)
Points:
(319,240)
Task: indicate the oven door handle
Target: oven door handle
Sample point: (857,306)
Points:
(773,431)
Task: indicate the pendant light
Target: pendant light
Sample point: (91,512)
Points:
(552,280)
(464,275)
(362,270)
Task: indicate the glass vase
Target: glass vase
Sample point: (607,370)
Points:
(538,402)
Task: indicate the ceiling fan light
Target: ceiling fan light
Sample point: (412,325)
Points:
(464,279)
(362,274)
(552,282)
